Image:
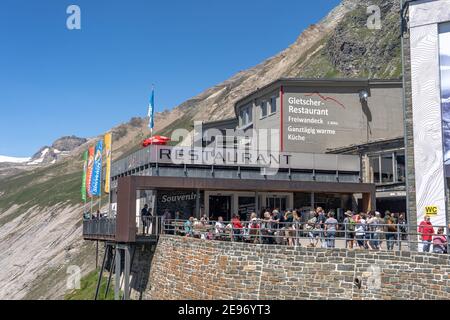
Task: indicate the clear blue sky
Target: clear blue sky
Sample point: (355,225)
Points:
(56,82)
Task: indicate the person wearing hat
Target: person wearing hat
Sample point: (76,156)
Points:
(349,227)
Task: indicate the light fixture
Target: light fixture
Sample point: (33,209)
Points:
(363,95)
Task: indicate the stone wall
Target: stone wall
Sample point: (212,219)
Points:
(186,268)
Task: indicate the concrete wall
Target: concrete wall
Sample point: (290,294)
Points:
(184,268)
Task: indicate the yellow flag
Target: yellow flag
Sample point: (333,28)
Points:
(108,144)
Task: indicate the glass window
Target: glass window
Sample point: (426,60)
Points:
(401,172)
(246,115)
(249,115)
(273,105)
(375,169)
(387,168)
(263,107)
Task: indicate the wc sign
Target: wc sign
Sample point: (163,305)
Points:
(431,210)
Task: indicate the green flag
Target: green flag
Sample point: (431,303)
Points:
(83,185)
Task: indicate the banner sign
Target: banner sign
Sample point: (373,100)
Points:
(90,166)
(108,145)
(83,185)
(97,170)
(444,57)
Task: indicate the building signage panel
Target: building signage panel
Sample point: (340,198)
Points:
(316,121)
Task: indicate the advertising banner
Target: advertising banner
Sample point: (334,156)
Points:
(97,170)
(108,145)
(83,185)
(90,166)
(444,57)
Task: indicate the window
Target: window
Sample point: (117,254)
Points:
(273,105)
(387,168)
(401,172)
(246,115)
(375,169)
(263,107)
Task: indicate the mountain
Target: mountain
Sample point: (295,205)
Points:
(59,149)
(40,210)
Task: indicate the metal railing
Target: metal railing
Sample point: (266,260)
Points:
(151,226)
(391,237)
(99,228)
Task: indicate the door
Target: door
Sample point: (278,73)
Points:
(220,206)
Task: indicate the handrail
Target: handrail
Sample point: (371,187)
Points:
(397,237)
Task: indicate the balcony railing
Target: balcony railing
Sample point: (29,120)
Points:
(99,229)
(105,228)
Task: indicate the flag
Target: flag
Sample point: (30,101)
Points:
(108,144)
(151,110)
(90,166)
(97,170)
(83,185)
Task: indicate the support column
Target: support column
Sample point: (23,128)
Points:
(258,214)
(117,278)
(312,200)
(127,273)
(197,204)
(368,202)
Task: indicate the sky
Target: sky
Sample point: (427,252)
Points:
(56,82)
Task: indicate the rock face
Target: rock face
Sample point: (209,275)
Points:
(60,148)
(41,202)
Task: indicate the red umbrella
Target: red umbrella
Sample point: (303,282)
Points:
(156,140)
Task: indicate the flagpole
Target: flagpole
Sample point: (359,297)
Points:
(109,194)
(153,112)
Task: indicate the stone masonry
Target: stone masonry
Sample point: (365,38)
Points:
(186,268)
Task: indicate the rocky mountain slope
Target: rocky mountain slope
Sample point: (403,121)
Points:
(40,211)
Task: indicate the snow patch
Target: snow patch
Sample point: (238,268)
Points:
(13,159)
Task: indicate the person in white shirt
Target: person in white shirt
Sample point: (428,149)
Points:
(219,228)
(360,230)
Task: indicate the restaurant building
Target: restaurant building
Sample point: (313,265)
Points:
(294,144)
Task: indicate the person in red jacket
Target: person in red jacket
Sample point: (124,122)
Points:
(426,232)
(237,227)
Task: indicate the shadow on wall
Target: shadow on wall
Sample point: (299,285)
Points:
(140,270)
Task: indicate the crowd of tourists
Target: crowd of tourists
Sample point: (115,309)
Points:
(365,231)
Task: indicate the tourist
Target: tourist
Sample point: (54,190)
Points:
(379,230)
(145,217)
(167,222)
(312,226)
(321,218)
(391,231)
(254,228)
(440,242)
(360,230)
(371,237)
(288,228)
(204,219)
(349,227)
(426,232)
(219,228)
(188,227)
(296,227)
(331,226)
(237,227)
(277,218)
(402,226)
(266,229)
